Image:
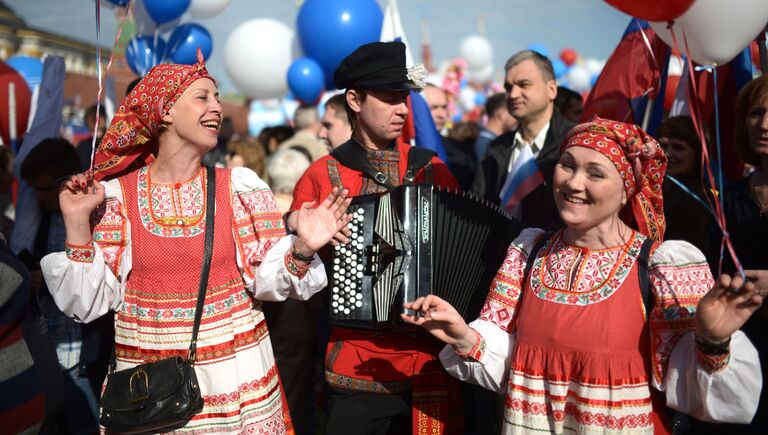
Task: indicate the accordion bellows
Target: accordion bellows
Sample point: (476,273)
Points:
(413,241)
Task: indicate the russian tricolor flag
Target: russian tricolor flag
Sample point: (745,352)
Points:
(419,127)
(522,179)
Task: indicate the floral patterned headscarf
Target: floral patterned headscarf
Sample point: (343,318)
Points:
(641,164)
(131,139)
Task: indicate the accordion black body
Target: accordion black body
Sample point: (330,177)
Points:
(413,241)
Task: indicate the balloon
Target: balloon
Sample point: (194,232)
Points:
(163,11)
(594,66)
(145,25)
(207,8)
(716,30)
(660,10)
(257,55)
(671,91)
(330,30)
(144,52)
(477,51)
(754,53)
(539,48)
(481,75)
(568,56)
(120,3)
(579,78)
(30,68)
(560,68)
(467,98)
(23,97)
(305,80)
(184,42)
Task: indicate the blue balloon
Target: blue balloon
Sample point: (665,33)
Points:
(306,80)
(539,48)
(184,42)
(560,68)
(29,68)
(480,98)
(144,52)
(119,2)
(329,30)
(163,11)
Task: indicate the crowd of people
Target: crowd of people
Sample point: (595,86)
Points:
(616,310)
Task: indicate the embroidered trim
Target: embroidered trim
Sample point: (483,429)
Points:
(333,173)
(712,363)
(477,351)
(162,208)
(294,268)
(589,269)
(349,383)
(80,253)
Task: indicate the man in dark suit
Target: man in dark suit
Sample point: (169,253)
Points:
(531,90)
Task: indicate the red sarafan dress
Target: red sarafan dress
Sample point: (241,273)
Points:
(579,356)
(145,264)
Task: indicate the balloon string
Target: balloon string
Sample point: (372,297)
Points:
(101,83)
(97,4)
(693,195)
(715,206)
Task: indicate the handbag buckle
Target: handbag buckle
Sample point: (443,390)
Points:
(137,375)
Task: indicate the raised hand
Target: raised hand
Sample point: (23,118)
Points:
(725,308)
(78,198)
(315,227)
(442,321)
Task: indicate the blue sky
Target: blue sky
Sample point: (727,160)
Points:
(592,27)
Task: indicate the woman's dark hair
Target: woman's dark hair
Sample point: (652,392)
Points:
(53,156)
(681,128)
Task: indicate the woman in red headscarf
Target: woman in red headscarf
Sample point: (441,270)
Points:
(141,253)
(567,339)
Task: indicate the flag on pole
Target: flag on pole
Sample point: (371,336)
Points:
(419,129)
(392,30)
(522,179)
(633,78)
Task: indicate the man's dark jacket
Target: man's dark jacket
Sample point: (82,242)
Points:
(538,208)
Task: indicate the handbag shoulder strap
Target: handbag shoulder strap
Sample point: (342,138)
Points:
(642,274)
(210,187)
(210,211)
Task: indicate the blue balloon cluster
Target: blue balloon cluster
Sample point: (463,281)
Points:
(184,42)
(163,11)
(329,30)
(306,80)
(144,52)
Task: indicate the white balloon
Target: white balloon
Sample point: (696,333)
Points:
(477,51)
(482,75)
(594,66)
(579,78)
(257,56)
(716,30)
(145,25)
(467,98)
(207,8)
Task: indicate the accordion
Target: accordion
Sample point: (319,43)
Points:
(413,241)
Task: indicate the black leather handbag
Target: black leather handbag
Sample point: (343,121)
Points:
(163,395)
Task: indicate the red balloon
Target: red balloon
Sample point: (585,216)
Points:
(568,56)
(23,98)
(670,92)
(659,10)
(754,50)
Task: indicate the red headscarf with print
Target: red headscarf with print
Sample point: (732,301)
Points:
(131,139)
(641,164)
